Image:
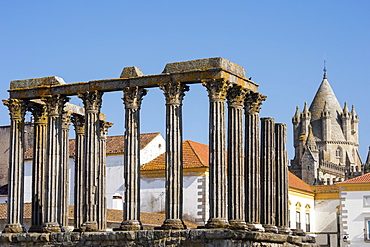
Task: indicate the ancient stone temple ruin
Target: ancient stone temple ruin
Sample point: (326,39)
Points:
(247,189)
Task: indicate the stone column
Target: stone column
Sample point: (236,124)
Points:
(236,201)
(174,93)
(102,175)
(252,107)
(55,105)
(16,164)
(92,101)
(64,169)
(79,126)
(39,112)
(132,97)
(217,153)
(281,179)
(268,175)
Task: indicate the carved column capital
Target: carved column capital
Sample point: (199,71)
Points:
(92,100)
(236,96)
(216,88)
(78,122)
(253,102)
(174,91)
(66,119)
(16,108)
(104,126)
(55,104)
(132,97)
(39,112)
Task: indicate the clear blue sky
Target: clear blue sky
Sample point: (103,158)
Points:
(281,44)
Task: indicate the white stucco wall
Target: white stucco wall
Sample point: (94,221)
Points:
(294,199)
(326,221)
(354,211)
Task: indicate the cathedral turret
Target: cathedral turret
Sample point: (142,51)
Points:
(305,120)
(346,122)
(311,141)
(326,123)
(354,122)
(296,120)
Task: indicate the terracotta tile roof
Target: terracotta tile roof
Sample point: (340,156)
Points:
(113,215)
(296,183)
(115,144)
(325,188)
(360,179)
(195,155)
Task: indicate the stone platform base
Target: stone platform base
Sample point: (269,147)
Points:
(188,237)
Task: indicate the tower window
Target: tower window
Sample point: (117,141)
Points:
(337,153)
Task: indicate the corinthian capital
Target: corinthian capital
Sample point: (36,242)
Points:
(39,112)
(236,96)
(55,104)
(174,91)
(79,123)
(104,126)
(92,100)
(216,88)
(132,97)
(66,119)
(253,102)
(16,108)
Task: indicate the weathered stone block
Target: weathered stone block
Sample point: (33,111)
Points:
(205,64)
(34,82)
(129,72)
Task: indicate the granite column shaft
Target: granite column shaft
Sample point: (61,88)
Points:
(174,93)
(16,166)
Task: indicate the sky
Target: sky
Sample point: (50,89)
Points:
(281,44)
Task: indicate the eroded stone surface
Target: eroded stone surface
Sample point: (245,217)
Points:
(34,82)
(133,71)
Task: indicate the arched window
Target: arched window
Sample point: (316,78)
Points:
(308,218)
(298,215)
(338,152)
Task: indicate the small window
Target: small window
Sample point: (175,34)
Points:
(298,220)
(367,201)
(367,230)
(337,153)
(308,228)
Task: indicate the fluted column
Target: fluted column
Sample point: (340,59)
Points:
(39,112)
(79,126)
(132,97)
(235,100)
(92,101)
(281,178)
(16,164)
(268,175)
(64,168)
(174,93)
(55,105)
(252,107)
(102,172)
(217,154)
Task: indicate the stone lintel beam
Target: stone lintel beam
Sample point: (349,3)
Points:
(184,72)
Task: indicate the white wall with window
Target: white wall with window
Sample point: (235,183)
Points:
(301,211)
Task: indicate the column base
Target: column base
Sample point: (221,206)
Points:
(174,224)
(270,228)
(130,225)
(89,226)
(298,232)
(284,230)
(51,227)
(14,228)
(255,227)
(217,223)
(237,225)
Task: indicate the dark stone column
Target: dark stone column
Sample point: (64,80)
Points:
(235,100)
(39,112)
(102,172)
(55,105)
(16,166)
(268,175)
(92,101)
(132,98)
(64,168)
(174,93)
(217,154)
(281,179)
(79,126)
(252,161)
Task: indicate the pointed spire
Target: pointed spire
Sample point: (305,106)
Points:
(296,117)
(346,113)
(325,112)
(311,141)
(354,114)
(324,70)
(305,113)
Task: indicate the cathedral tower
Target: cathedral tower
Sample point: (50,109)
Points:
(325,140)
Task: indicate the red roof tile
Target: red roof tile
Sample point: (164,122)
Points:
(296,183)
(360,179)
(194,155)
(115,144)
